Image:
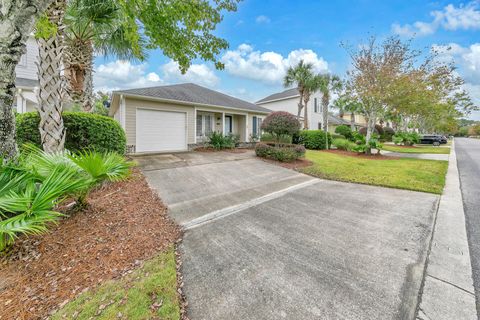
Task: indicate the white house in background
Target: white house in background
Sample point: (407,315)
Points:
(288,101)
(27,79)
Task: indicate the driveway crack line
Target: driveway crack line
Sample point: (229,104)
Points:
(452,284)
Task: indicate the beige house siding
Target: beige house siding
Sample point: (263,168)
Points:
(239,118)
(131,105)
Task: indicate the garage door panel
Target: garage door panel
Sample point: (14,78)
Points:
(160,131)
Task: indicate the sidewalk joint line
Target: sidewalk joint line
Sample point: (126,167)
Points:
(454,285)
(218,214)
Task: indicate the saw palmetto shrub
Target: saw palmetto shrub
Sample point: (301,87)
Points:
(35,182)
(84,131)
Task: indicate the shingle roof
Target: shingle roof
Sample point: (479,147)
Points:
(192,93)
(280,95)
(26,83)
(337,120)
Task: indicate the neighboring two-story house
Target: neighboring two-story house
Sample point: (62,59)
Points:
(27,79)
(288,101)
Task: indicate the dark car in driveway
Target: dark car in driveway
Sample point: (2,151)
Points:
(434,139)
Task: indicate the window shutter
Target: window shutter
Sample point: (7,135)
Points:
(254,131)
(315,105)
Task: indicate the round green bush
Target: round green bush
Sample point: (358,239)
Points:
(84,131)
(345,131)
(314,139)
(281,123)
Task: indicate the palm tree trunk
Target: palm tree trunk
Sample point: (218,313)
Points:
(79,67)
(325,102)
(300,104)
(51,92)
(17,18)
(306,99)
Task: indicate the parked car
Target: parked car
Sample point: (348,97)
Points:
(434,139)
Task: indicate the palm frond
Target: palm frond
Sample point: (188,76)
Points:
(103,166)
(25,224)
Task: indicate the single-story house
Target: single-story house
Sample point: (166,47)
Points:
(335,121)
(182,116)
(287,100)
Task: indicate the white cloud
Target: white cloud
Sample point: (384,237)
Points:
(267,66)
(464,17)
(467,59)
(122,74)
(199,73)
(262,19)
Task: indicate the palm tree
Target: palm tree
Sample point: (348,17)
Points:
(17,18)
(99,26)
(347,105)
(312,85)
(328,85)
(49,36)
(299,75)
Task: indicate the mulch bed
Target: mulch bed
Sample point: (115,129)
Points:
(297,164)
(124,224)
(362,155)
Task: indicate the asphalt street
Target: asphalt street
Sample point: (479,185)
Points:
(468,159)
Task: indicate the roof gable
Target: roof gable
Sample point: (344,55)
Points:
(289,93)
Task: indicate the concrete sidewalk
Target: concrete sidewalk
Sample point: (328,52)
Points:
(448,291)
(425,156)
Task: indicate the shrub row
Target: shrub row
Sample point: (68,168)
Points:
(283,153)
(83,131)
(313,139)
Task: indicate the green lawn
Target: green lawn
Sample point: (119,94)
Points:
(411,174)
(416,149)
(148,293)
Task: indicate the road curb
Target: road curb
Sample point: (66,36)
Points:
(447,291)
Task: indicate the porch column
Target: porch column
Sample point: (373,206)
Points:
(247,138)
(223,123)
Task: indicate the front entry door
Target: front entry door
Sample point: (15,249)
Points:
(228,124)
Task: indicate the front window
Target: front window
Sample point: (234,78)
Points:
(204,124)
(257,125)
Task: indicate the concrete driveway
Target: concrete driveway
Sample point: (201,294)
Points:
(264,242)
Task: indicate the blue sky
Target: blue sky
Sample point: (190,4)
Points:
(268,36)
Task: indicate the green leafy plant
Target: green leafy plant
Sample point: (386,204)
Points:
(314,139)
(343,144)
(285,153)
(280,124)
(34,183)
(268,137)
(406,138)
(83,131)
(345,131)
(218,141)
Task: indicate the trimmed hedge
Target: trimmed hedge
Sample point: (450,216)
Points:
(314,139)
(345,131)
(284,153)
(84,131)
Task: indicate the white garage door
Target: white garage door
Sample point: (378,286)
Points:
(161,130)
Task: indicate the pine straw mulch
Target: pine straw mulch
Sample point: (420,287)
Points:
(124,224)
